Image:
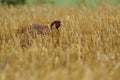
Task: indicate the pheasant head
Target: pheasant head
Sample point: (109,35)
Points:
(55,24)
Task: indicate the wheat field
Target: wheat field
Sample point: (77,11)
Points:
(88,48)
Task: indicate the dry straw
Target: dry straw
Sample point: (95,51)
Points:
(88,49)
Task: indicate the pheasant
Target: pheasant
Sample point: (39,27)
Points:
(40,29)
(33,29)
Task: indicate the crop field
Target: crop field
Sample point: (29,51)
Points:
(87,48)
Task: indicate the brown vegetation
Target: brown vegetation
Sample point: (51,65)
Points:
(89,44)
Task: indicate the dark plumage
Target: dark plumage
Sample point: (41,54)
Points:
(41,29)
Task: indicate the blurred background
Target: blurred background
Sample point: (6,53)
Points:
(56,3)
